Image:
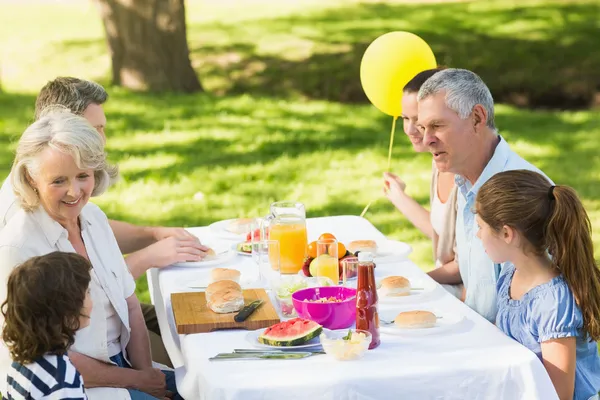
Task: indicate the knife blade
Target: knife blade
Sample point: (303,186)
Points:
(258,351)
(247,311)
(264,356)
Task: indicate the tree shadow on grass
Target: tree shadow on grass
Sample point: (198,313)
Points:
(534,55)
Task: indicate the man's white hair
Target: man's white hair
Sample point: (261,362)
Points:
(464,89)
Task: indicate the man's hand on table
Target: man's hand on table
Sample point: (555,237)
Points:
(163,232)
(174,249)
(174,245)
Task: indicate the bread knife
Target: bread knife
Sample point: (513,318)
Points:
(247,311)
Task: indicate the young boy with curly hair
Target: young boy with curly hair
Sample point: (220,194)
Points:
(47,302)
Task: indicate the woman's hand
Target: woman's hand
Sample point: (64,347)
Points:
(152,381)
(393,187)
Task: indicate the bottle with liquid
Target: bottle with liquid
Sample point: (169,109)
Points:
(367,317)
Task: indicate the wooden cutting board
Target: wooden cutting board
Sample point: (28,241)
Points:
(192,314)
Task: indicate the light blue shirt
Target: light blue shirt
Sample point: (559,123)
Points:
(549,311)
(479,274)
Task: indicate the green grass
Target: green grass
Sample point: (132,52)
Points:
(272,127)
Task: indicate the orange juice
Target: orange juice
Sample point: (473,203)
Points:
(328,266)
(293,240)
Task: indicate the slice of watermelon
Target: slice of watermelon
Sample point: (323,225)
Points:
(293,332)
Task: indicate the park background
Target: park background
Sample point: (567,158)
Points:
(280,112)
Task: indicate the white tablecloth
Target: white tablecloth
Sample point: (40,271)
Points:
(474,361)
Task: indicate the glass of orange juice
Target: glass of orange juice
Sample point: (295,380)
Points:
(327,259)
(287,225)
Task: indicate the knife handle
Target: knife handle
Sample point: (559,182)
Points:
(247,311)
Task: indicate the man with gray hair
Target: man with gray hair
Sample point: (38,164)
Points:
(456,115)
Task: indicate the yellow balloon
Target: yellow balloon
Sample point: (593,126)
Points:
(388,64)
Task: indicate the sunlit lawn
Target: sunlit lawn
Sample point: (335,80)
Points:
(269,138)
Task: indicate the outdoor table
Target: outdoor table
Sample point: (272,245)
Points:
(473,361)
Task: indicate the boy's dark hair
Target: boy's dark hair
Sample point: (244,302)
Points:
(45,296)
(419,79)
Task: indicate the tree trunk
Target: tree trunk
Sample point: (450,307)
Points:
(148,45)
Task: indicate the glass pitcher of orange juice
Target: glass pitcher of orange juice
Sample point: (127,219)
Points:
(287,224)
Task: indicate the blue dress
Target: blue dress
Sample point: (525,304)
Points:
(547,312)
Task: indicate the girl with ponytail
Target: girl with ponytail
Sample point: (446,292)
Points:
(549,286)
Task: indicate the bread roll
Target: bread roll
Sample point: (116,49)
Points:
(224,274)
(363,245)
(415,320)
(221,285)
(240,226)
(226,301)
(210,254)
(393,286)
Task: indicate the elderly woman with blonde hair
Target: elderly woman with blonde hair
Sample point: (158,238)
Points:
(60,163)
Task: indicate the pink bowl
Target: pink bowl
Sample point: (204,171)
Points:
(330,315)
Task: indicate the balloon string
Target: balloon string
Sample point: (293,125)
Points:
(389,161)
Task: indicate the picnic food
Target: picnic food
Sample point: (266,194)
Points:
(349,347)
(257,234)
(326,236)
(244,247)
(240,225)
(327,300)
(309,266)
(393,286)
(221,285)
(367,315)
(220,274)
(284,295)
(210,253)
(306,266)
(325,265)
(415,319)
(312,249)
(363,245)
(226,301)
(294,332)
(341,250)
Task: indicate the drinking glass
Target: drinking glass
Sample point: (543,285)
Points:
(349,267)
(268,259)
(258,233)
(327,260)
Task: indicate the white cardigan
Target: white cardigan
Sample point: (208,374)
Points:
(29,234)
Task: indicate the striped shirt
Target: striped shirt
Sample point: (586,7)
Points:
(50,377)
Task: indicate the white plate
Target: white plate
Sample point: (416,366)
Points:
(448,322)
(415,295)
(224,254)
(391,251)
(252,338)
(220,228)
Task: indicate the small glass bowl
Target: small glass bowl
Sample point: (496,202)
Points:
(286,306)
(345,350)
